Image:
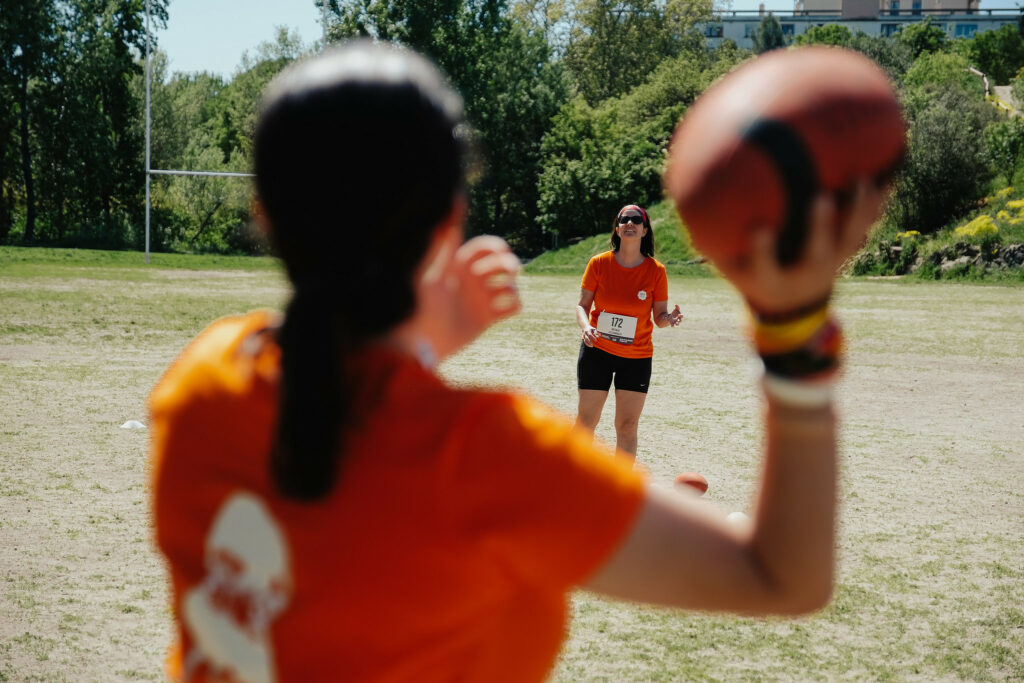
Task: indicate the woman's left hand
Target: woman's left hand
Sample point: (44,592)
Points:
(675,317)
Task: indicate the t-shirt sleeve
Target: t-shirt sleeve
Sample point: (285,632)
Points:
(591,276)
(661,286)
(539,496)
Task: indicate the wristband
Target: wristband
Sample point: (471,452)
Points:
(816,357)
(798,394)
(780,337)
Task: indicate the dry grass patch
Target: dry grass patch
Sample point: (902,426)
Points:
(931,580)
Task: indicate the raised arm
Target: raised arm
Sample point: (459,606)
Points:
(682,551)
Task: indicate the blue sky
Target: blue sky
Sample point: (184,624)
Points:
(211,35)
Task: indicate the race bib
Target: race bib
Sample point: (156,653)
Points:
(617,328)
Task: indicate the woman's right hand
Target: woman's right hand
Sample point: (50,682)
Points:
(772,288)
(590,335)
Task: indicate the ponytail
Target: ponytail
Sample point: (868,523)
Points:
(314,403)
(358,157)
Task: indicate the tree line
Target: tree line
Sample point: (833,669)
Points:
(571,103)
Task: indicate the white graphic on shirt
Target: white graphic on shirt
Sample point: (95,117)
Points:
(642,295)
(247,585)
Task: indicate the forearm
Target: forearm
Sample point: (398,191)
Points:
(582,318)
(793,540)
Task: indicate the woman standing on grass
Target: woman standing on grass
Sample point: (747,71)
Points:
(623,291)
(331,509)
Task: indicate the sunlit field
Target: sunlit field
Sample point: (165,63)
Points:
(931,571)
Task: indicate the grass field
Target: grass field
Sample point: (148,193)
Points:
(931,576)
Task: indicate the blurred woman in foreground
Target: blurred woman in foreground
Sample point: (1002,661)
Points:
(330,509)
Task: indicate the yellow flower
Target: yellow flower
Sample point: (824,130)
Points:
(907,234)
(1015,204)
(1004,192)
(979,227)
(1003,215)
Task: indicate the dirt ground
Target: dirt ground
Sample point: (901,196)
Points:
(931,577)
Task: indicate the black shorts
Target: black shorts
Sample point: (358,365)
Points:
(595,369)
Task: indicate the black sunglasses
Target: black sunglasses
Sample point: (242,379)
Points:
(635,220)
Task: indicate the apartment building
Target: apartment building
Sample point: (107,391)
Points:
(958,18)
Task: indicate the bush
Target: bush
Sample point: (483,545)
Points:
(1004,143)
(947,169)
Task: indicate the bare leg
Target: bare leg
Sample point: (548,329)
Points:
(589,412)
(628,406)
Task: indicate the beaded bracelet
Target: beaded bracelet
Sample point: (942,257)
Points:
(801,355)
(817,356)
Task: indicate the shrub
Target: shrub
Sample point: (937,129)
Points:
(979,229)
(946,169)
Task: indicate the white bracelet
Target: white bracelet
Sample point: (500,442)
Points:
(816,394)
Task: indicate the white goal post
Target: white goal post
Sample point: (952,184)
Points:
(150,172)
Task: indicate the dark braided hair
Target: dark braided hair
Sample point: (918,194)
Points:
(358,159)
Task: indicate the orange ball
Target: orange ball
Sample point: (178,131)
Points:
(756,148)
(694,481)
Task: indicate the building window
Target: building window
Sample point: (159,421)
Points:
(889,30)
(965,30)
(787,29)
(916,7)
(894,7)
(749,29)
(713,31)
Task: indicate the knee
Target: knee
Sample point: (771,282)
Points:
(588,420)
(627,425)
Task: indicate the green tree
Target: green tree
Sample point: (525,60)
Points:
(551,19)
(947,170)
(202,123)
(768,35)
(28,36)
(237,104)
(1004,142)
(67,85)
(939,71)
(182,106)
(1017,90)
(614,45)
(922,37)
(892,55)
(511,88)
(998,54)
(94,141)
(598,158)
(829,34)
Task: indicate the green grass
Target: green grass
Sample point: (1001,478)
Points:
(47,262)
(671,247)
(930,584)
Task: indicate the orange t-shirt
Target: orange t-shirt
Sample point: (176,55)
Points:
(624,294)
(460,520)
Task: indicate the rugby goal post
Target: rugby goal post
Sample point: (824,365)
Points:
(150,172)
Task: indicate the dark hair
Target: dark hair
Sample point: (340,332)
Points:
(365,129)
(647,243)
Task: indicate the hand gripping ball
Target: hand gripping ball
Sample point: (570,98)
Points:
(756,148)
